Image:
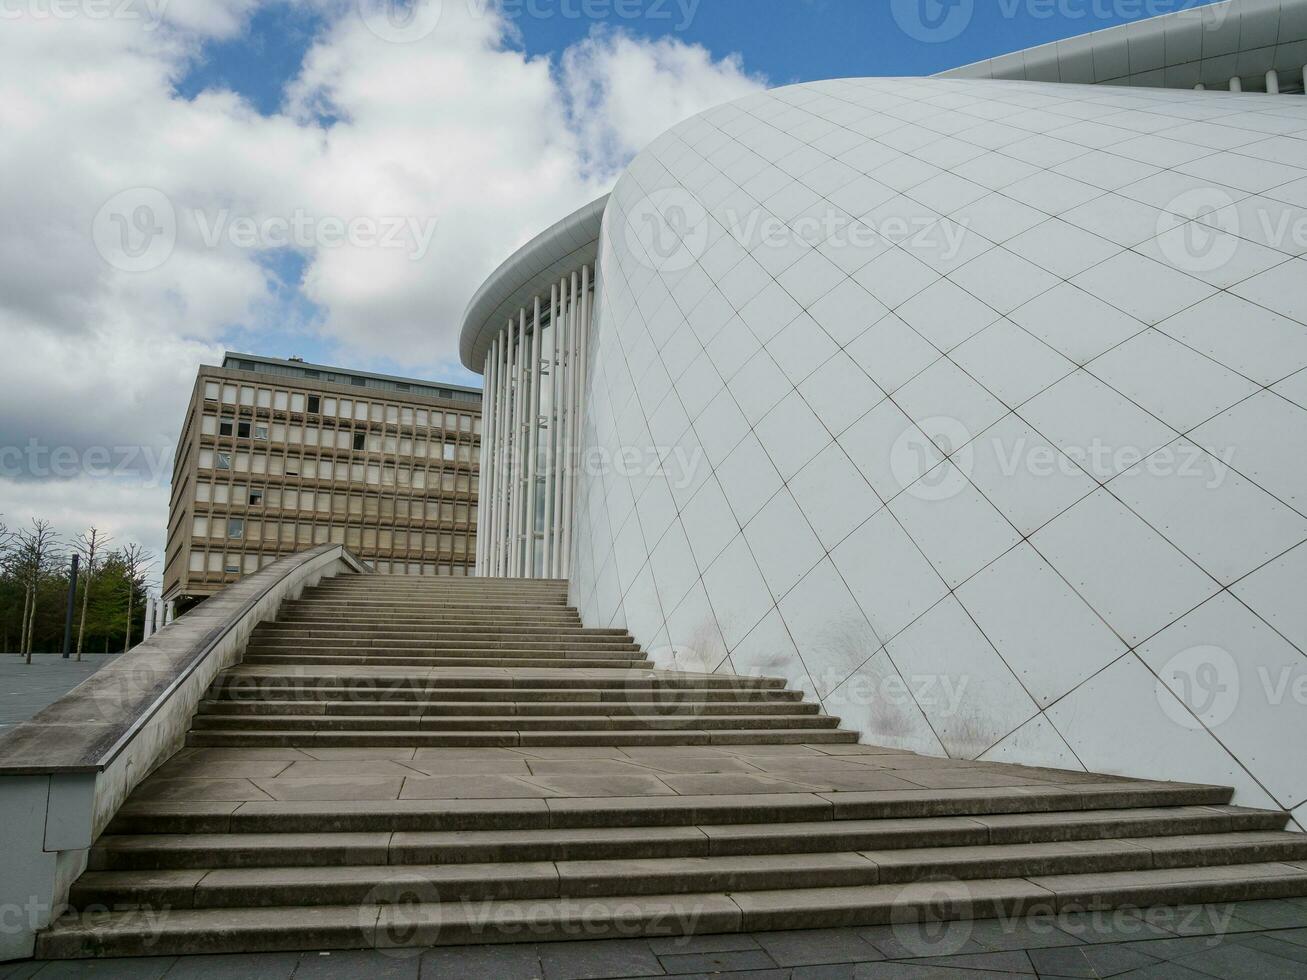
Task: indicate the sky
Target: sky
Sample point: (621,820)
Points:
(334,179)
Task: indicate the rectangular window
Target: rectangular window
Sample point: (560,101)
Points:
(223,460)
(201,529)
(202,492)
(360,441)
(197,561)
(211,390)
(256,497)
(280,400)
(247,396)
(220,493)
(243,430)
(297,401)
(229,394)
(225,425)
(233,566)
(328,406)
(208,426)
(265,398)
(315,405)
(235,528)
(261,432)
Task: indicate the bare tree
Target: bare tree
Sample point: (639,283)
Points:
(136,562)
(37,555)
(89,545)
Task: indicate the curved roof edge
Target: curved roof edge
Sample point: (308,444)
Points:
(1208,44)
(533,268)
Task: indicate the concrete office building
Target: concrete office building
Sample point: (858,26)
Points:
(975,406)
(276,456)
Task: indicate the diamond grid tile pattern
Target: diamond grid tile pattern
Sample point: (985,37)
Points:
(905,483)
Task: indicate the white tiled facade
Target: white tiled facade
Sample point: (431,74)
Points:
(976,409)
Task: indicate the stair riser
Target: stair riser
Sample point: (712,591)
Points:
(433,661)
(636,681)
(408,926)
(724,842)
(346,643)
(326,723)
(419,709)
(486,633)
(520,696)
(218,739)
(389,887)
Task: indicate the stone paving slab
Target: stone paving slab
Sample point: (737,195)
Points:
(308,773)
(1201,942)
(26,688)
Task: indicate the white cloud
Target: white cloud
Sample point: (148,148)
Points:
(460,127)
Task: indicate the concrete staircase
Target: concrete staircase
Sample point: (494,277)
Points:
(409,762)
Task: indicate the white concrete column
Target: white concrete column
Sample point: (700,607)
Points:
(170,612)
(1236,84)
(551,454)
(1272,82)
(487,477)
(519,441)
(569,424)
(533,441)
(149,618)
(501,456)
(562,341)
(490,479)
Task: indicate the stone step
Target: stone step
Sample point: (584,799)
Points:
(512,722)
(470,660)
(485,633)
(373,884)
(454,677)
(356,621)
(420,656)
(129,933)
(510,739)
(242,693)
(457,604)
(425,708)
(117,852)
(1022,805)
(475,641)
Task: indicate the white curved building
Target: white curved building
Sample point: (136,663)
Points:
(975,408)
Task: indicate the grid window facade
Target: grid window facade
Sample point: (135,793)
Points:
(270,465)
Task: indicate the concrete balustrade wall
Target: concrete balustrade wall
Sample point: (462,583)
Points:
(65,773)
